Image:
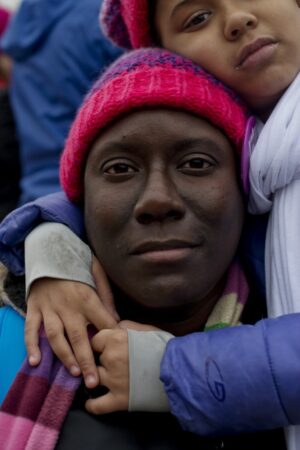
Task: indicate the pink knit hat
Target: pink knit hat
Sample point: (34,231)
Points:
(147,78)
(127,22)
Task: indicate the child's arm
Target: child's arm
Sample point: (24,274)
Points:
(276,348)
(228,381)
(13,231)
(18,224)
(53,255)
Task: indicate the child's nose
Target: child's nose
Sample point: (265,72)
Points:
(237,23)
(159,201)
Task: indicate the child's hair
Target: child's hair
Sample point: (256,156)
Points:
(142,79)
(155,38)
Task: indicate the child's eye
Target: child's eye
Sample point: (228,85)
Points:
(197,20)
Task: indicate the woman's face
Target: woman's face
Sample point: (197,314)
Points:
(163,209)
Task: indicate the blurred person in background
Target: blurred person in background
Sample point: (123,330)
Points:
(57,50)
(9,153)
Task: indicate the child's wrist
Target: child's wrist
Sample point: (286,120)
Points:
(146,391)
(52,250)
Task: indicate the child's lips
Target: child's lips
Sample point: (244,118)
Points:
(256,53)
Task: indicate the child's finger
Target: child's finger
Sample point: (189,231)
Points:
(78,338)
(32,326)
(97,314)
(98,342)
(103,288)
(54,330)
(114,400)
(130,325)
(105,404)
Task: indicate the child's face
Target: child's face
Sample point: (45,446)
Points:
(251,45)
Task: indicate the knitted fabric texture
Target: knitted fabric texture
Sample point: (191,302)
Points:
(127,22)
(35,408)
(147,78)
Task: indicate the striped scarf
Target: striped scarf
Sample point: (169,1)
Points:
(35,407)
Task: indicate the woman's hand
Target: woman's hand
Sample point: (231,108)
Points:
(66,308)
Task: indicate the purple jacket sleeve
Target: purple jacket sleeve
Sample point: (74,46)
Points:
(235,380)
(18,224)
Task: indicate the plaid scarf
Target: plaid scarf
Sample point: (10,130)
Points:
(36,405)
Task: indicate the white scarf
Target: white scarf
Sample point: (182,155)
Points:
(275,186)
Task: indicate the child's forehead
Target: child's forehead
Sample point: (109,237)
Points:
(178,3)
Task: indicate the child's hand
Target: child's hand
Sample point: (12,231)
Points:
(114,369)
(113,372)
(66,308)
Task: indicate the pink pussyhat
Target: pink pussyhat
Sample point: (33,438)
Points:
(147,78)
(127,22)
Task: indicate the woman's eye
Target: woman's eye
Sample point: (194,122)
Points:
(196,164)
(119,169)
(196,20)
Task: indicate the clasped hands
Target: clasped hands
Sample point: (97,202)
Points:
(65,308)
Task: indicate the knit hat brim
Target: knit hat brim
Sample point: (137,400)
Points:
(143,79)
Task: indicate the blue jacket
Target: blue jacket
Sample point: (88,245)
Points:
(58,51)
(231,380)
(12,347)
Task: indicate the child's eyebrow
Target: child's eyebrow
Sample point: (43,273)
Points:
(181,5)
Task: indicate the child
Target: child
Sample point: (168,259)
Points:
(249,38)
(254,48)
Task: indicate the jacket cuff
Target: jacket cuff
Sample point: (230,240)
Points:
(52,250)
(146,391)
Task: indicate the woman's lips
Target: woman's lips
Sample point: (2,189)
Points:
(164,252)
(166,256)
(257,53)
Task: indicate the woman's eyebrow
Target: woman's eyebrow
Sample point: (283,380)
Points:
(103,149)
(200,144)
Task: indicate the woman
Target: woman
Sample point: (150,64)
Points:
(157,174)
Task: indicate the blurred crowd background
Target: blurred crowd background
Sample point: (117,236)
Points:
(10,4)
(51,51)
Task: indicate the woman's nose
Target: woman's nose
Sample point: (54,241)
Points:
(237,23)
(159,201)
